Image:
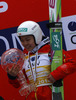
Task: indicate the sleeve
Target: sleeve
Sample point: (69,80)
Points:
(14,81)
(68,67)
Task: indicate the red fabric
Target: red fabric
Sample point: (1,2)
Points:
(68,67)
(25,51)
(44,49)
(43,93)
(14,83)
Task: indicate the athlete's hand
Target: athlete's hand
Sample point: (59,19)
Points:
(51,78)
(14,70)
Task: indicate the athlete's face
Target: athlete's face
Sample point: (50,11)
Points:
(28,42)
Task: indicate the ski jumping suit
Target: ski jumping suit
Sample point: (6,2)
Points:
(39,60)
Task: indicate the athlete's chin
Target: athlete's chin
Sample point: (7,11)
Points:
(28,49)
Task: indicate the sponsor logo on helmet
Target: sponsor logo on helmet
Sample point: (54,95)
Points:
(34,27)
(22,30)
(19,33)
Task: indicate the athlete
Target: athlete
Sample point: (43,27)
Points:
(37,66)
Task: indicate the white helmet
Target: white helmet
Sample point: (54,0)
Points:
(30,28)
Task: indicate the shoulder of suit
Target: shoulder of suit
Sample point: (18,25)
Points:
(44,49)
